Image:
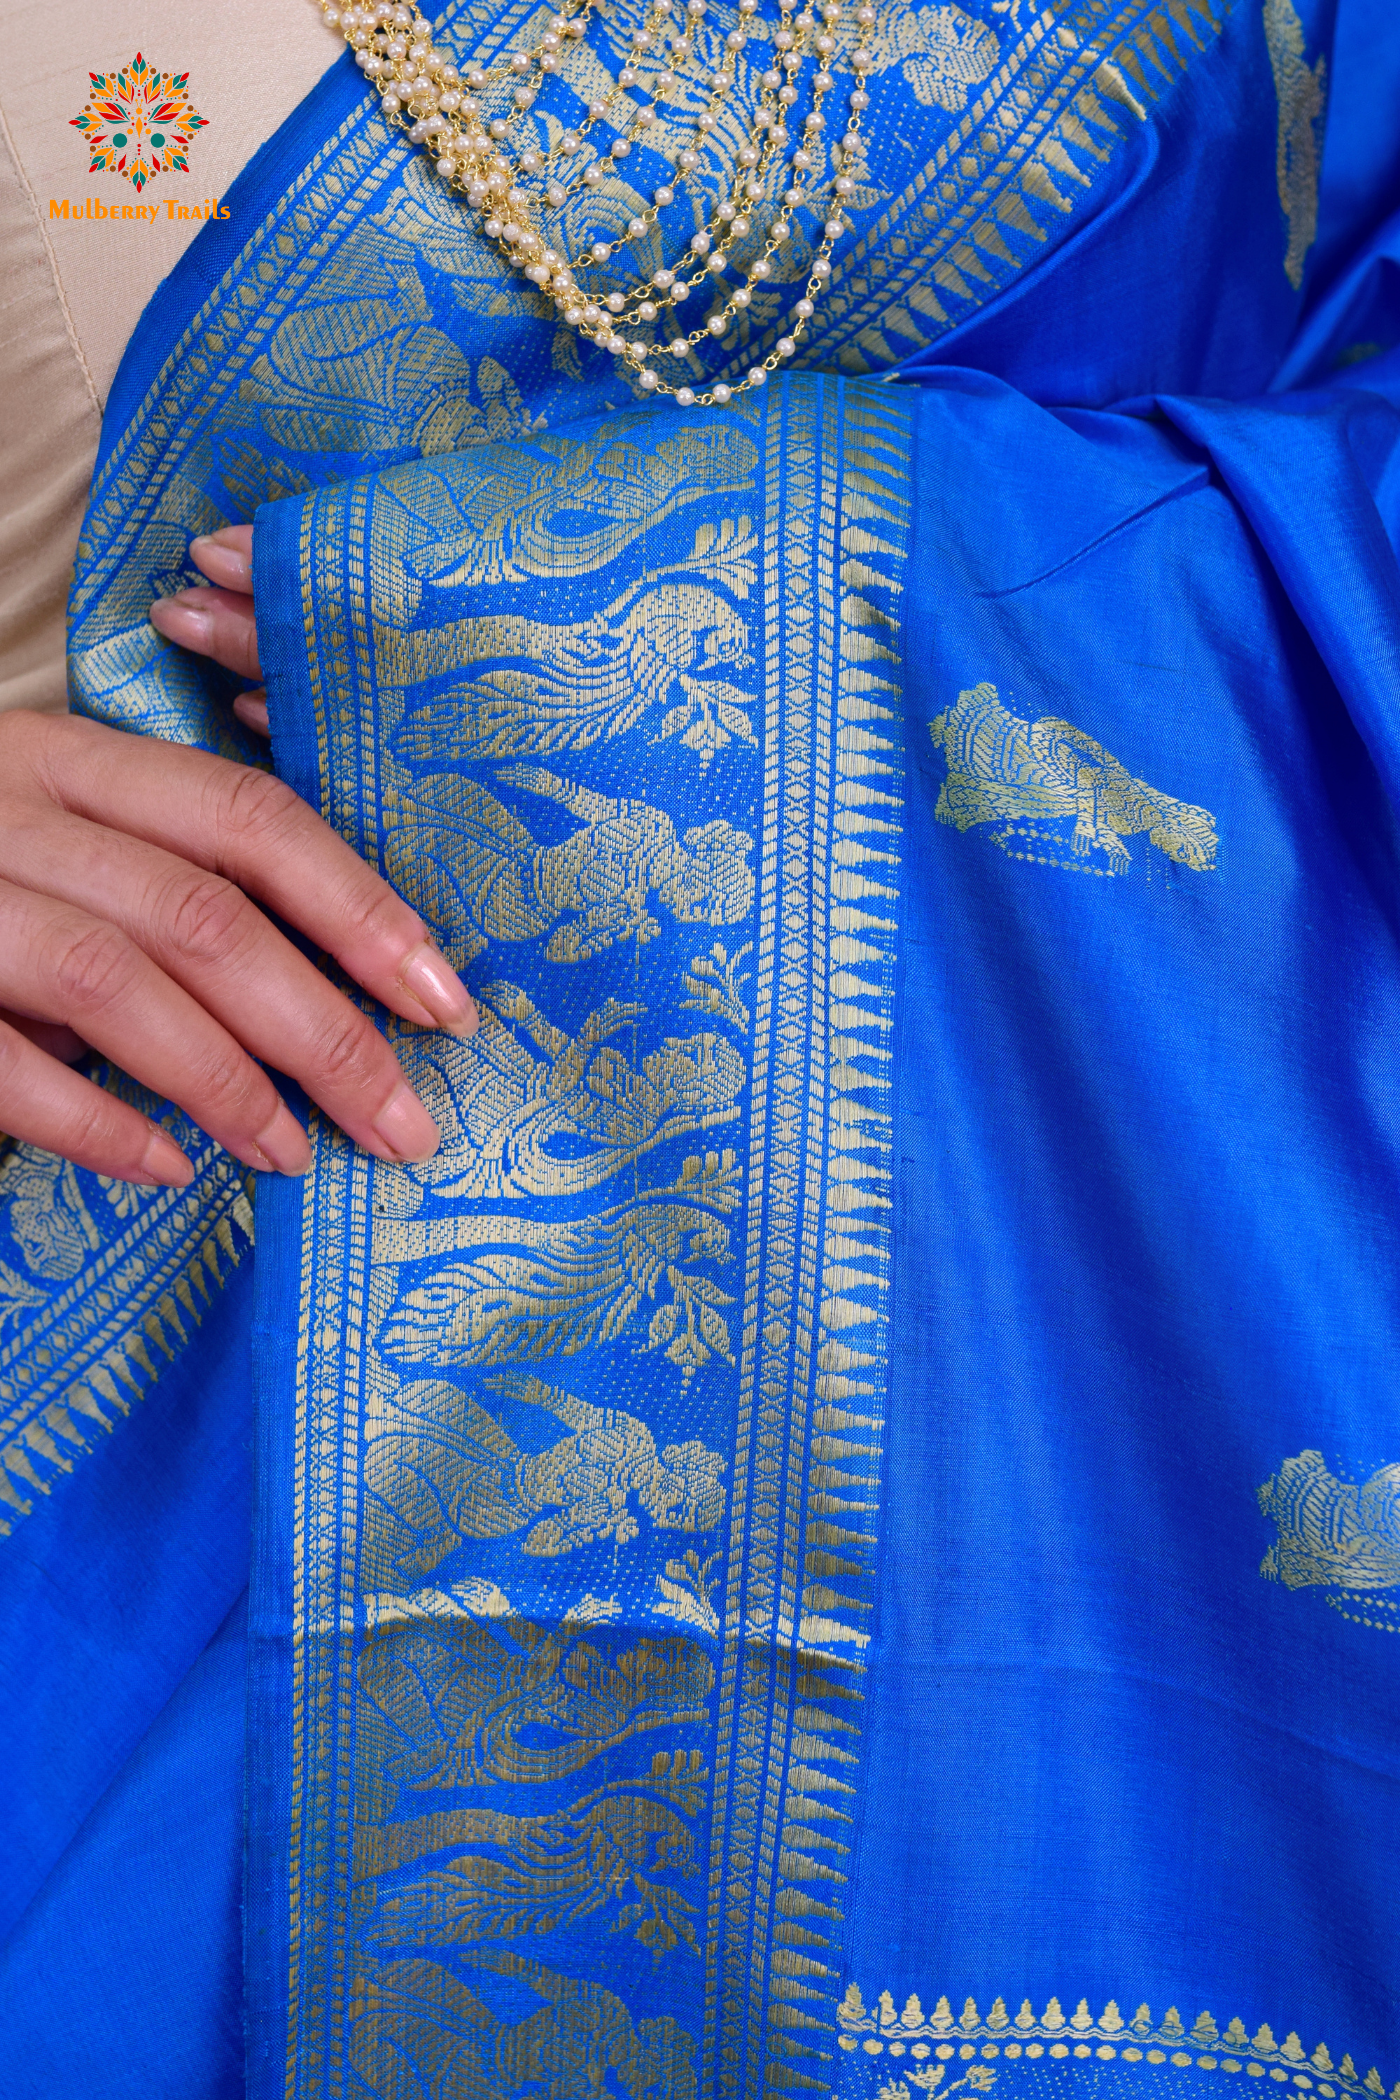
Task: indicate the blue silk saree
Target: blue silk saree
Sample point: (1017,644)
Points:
(843,1536)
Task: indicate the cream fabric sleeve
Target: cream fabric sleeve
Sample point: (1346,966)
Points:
(73,290)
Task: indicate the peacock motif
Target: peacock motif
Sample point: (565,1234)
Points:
(565,687)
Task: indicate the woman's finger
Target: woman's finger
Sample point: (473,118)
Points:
(214,623)
(87,975)
(42,1103)
(206,936)
(46,1035)
(252,828)
(226,557)
(251,710)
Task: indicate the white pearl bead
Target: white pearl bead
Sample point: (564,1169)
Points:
(492,229)
(787,95)
(700,243)
(785,346)
(860,100)
(721,393)
(834,229)
(687,160)
(620,148)
(600,251)
(648,381)
(740,227)
(390,104)
(665,82)
(781,232)
(627,78)
(772,78)
(557,194)
(663,197)
(548,62)
(680,290)
(591,315)
(615,302)
(717,324)
(636,228)
(741,295)
(523,97)
(570,142)
(663,280)
(716,264)
(647,310)
(706,121)
(679,347)
(757,375)
(593,175)
(762,268)
(823,82)
(447,165)
(804,309)
(684,397)
(597,111)
(821,267)
(573,315)
(519,63)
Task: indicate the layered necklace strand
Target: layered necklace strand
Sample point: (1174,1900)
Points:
(444,110)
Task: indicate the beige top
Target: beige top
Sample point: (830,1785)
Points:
(74,289)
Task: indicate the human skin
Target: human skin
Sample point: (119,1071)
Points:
(129,870)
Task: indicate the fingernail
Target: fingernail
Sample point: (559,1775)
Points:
(283,1144)
(429,978)
(404,1127)
(163,1163)
(187,624)
(225,564)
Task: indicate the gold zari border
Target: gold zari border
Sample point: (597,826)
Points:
(888,2032)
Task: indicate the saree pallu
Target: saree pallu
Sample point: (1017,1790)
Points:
(841,1536)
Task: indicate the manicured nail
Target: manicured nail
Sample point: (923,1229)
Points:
(163,1164)
(429,978)
(221,564)
(404,1128)
(251,710)
(189,625)
(283,1144)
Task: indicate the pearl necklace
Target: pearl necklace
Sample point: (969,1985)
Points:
(445,111)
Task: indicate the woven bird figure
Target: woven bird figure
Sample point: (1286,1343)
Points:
(548,688)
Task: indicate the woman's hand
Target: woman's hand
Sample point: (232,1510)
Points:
(126,869)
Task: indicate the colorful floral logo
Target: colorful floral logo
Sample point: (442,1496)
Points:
(138,123)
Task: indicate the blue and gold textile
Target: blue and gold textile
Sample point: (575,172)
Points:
(843,1536)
